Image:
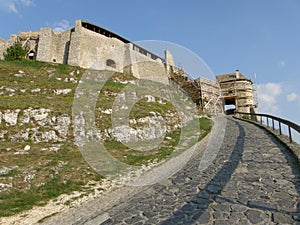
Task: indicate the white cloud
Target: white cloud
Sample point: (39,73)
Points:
(61,25)
(267,97)
(12,6)
(293,97)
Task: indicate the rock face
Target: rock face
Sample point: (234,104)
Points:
(141,129)
(150,128)
(37,125)
(42,125)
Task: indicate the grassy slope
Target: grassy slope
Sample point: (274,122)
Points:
(65,170)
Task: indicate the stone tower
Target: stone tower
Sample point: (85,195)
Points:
(237,90)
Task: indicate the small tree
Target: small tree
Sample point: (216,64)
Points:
(15,52)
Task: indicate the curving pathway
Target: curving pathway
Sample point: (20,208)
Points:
(253,180)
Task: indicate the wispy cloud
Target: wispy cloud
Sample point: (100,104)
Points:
(13,6)
(267,97)
(293,97)
(61,25)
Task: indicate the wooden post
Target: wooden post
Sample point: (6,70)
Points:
(261,120)
(273,127)
(279,128)
(267,121)
(290,134)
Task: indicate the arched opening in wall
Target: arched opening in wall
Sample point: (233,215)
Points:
(111,63)
(31,55)
(230,106)
(229,109)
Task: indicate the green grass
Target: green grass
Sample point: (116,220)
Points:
(17,201)
(50,181)
(205,126)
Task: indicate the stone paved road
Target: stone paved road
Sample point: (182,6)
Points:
(253,180)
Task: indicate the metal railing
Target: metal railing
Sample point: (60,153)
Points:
(270,122)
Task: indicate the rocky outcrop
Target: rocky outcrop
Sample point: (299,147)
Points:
(36,125)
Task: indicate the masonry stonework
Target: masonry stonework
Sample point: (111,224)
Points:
(89,46)
(237,90)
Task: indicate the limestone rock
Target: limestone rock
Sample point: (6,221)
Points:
(5,187)
(62,126)
(11,117)
(47,136)
(27,148)
(150,128)
(36,90)
(62,91)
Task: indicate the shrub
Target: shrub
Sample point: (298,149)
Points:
(15,52)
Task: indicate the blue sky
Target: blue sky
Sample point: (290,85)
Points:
(257,36)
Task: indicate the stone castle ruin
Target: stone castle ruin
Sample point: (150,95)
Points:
(238,91)
(90,46)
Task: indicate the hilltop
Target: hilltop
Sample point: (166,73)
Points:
(39,160)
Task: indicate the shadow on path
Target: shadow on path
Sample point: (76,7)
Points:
(198,204)
(196,208)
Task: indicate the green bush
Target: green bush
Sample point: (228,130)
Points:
(15,52)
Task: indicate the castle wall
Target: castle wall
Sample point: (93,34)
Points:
(89,49)
(45,48)
(143,67)
(61,43)
(53,46)
(74,48)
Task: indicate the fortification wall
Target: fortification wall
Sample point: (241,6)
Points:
(89,49)
(83,47)
(61,42)
(53,46)
(45,48)
(74,48)
(143,67)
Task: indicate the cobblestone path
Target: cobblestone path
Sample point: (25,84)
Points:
(253,180)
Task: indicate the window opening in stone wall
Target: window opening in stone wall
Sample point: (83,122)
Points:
(31,55)
(111,63)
